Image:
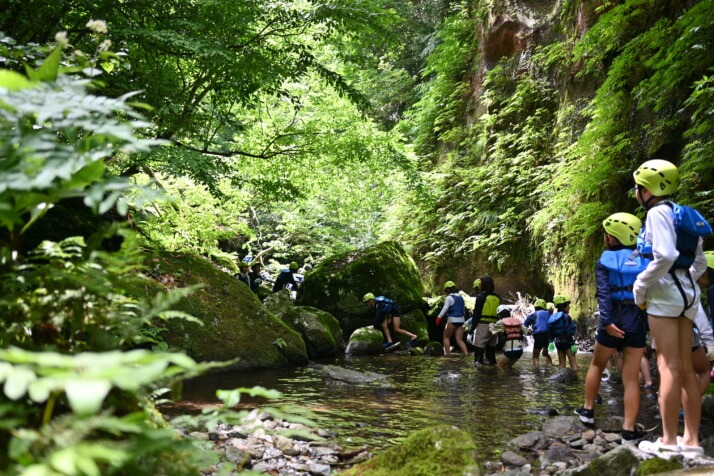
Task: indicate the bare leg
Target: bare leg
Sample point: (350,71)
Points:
(397,322)
(601,355)
(448,330)
(536,353)
(547,356)
(632,357)
(691,392)
(571,358)
(385,329)
(460,340)
(561,359)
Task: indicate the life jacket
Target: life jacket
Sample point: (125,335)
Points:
(689,226)
(384,304)
(623,265)
(490,309)
(458,309)
(558,327)
(512,328)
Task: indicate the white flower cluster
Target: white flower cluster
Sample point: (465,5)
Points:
(97,26)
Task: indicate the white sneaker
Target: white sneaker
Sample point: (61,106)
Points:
(689,451)
(657,448)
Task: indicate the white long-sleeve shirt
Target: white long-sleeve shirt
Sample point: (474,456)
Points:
(655,285)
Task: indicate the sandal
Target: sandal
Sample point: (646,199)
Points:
(689,451)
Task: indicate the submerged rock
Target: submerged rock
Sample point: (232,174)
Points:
(349,376)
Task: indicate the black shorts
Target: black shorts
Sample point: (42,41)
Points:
(540,341)
(637,339)
(564,345)
(513,355)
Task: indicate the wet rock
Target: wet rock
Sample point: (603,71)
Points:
(532,440)
(349,376)
(564,376)
(558,453)
(618,462)
(238,457)
(365,341)
(562,425)
(511,458)
(320,469)
(448,375)
(434,349)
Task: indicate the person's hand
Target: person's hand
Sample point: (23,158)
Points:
(438,320)
(614,331)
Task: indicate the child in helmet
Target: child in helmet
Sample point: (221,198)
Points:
(514,331)
(668,292)
(485,308)
(538,320)
(387,312)
(561,329)
(454,309)
(622,325)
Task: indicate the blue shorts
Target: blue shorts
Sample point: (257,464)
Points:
(637,339)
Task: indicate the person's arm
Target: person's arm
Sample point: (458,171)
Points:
(498,327)
(659,230)
(603,294)
(705,331)
(530,320)
(448,302)
(478,307)
(699,267)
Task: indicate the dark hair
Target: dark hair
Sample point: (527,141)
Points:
(452,289)
(487,284)
(710,274)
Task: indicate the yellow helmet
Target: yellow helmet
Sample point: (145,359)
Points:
(660,177)
(477,283)
(449,284)
(540,302)
(710,258)
(368,297)
(558,300)
(623,226)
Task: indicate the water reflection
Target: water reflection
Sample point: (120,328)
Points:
(493,405)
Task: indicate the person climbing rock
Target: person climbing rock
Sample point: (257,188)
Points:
(242,274)
(386,312)
(286,279)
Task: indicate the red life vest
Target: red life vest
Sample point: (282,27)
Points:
(512,327)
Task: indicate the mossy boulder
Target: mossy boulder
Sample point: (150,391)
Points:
(365,341)
(338,284)
(438,450)
(235,322)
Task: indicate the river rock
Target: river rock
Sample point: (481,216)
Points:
(349,376)
(434,349)
(511,458)
(558,453)
(535,440)
(338,283)
(439,450)
(618,462)
(319,329)
(238,457)
(566,375)
(562,425)
(365,341)
(236,328)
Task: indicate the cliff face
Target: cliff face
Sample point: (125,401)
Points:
(553,105)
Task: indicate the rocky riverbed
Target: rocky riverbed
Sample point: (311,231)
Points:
(563,446)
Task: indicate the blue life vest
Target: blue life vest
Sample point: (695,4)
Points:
(384,304)
(689,225)
(557,327)
(623,265)
(458,309)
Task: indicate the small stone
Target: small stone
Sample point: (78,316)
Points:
(579,443)
(588,435)
(612,437)
(320,469)
(600,441)
(512,458)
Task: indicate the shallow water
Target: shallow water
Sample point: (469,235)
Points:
(493,405)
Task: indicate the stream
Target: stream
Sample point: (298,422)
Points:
(492,405)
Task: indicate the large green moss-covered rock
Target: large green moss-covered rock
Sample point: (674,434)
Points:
(338,284)
(235,323)
(365,341)
(432,451)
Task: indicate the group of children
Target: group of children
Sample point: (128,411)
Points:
(647,277)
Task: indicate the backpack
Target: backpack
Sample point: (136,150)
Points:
(690,225)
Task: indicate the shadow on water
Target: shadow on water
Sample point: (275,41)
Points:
(493,405)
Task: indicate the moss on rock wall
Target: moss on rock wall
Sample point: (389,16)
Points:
(338,284)
(235,323)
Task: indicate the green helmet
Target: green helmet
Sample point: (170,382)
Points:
(477,283)
(293,266)
(660,177)
(368,297)
(623,226)
(449,284)
(558,300)
(710,258)
(540,302)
